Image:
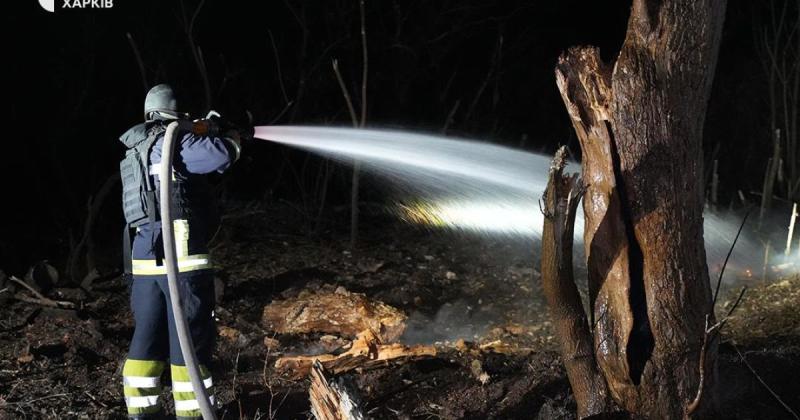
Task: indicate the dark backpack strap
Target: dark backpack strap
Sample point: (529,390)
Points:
(127,251)
(144,157)
(150,197)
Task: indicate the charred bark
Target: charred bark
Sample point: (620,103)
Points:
(640,125)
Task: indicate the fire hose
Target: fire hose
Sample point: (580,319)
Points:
(171,264)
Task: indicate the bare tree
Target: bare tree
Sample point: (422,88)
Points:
(197,53)
(640,124)
(778,46)
(355,180)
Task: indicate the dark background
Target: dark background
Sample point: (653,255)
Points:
(72,86)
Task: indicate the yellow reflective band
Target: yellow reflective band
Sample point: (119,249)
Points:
(186,404)
(185,264)
(140,392)
(153,409)
(151,368)
(181,374)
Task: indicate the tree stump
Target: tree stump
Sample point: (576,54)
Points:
(640,124)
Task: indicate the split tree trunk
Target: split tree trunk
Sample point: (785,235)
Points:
(640,124)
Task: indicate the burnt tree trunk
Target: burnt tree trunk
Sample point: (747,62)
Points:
(640,123)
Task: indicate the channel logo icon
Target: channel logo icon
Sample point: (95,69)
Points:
(49,5)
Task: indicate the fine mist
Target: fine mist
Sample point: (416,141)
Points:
(478,187)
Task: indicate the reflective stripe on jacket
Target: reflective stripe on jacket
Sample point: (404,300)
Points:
(195,213)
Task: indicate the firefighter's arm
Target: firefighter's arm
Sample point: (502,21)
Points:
(206,154)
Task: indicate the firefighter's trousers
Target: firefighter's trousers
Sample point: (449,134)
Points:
(155,342)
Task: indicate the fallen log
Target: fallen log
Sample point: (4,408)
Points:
(365,352)
(341,312)
(332,398)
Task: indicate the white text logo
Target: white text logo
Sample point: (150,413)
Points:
(87,4)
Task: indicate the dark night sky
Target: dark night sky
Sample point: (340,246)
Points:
(74,86)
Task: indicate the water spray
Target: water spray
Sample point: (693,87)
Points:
(472,186)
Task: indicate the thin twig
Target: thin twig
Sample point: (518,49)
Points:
(345,93)
(194,17)
(366,64)
(27,286)
(492,70)
(708,332)
(197,53)
(139,61)
(692,407)
(93,207)
(43,302)
(92,397)
(791,230)
(233,384)
(733,308)
(746,363)
(29,402)
(450,116)
(286,108)
(727,257)
(272,412)
(278,66)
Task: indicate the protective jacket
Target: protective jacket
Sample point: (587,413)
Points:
(193,203)
(154,345)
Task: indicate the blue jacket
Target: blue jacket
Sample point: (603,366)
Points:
(196,157)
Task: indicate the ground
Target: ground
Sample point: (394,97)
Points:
(58,363)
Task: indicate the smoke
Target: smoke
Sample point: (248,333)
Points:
(453,321)
(471,186)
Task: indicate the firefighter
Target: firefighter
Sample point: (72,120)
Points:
(154,345)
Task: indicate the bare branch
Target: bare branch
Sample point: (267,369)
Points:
(366,64)
(40,298)
(278,67)
(727,257)
(283,111)
(197,53)
(139,61)
(345,93)
(753,371)
(708,335)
